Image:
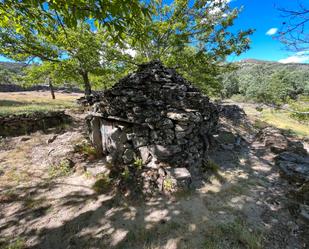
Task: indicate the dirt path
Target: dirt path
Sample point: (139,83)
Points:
(244,204)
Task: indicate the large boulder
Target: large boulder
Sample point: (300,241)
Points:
(293,166)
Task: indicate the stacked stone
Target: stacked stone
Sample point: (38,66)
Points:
(25,123)
(156,116)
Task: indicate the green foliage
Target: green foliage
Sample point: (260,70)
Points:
(29,103)
(102,184)
(138,163)
(300,109)
(266,82)
(64,168)
(10,72)
(85,148)
(212,165)
(259,124)
(61,33)
(232,235)
(18,243)
(125,174)
(193,37)
(28,16)
(168,184)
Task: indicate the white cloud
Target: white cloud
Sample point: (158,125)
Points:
(272,31)
(299,57)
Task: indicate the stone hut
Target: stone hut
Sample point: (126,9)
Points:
(157,119)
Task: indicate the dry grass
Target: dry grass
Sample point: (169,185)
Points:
(279,119)
(233,235)
(282,120)
(27,102)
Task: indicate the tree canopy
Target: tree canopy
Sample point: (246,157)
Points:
(267,82)
(90,39)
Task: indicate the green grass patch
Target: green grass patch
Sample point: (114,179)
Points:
(64,168)
(18,243)
(86,149)
(302,110)
(102,185)
(278,118)
(141,237)
(20,103)
(232,235)
(283,120)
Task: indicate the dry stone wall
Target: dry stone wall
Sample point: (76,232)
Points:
(156,118)
(20,124)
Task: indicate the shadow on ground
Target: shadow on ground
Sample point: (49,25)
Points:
(244,204)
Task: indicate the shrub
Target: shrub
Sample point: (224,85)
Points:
(86,149)
(302,110)
(125,173)
(168,184)
(138,163)
(64,168)
(102,184)
(212,165)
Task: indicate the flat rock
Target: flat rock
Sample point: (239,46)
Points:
(294,167)
(181,176)
(164,152)
(97,169)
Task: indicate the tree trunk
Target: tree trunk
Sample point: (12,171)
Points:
(51,87)
(87,85)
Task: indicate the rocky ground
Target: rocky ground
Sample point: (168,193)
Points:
(50,197)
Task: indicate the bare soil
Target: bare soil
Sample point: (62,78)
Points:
(243,204)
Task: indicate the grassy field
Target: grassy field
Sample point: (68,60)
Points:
(27,102)
(278,118)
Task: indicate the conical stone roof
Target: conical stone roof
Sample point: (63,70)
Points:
(156,115)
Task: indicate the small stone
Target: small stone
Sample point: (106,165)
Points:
(109,159)
(139,142)
(293,166)
(227,146)
(304,213)
(181,127)
(180,135)
(25,138)
(182,176)
(178,116)
(164,152)
(145,154)
(274,220)
(52,139)
(153,164)
(128,156)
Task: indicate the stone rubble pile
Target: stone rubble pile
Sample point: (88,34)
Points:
(155,118)
(292,158)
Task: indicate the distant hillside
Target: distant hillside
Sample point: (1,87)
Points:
(9,72)
(256,61)
(271,66)
(267,81)
(12,66)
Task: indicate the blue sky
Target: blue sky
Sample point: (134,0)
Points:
(263,16)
